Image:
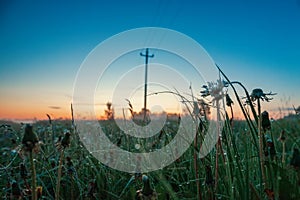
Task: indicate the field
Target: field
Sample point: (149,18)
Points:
(255,158)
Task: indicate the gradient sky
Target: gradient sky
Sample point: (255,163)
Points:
(43,43)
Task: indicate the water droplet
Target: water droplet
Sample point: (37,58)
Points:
(137,146)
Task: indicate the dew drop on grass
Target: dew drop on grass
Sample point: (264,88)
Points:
(137,146)
(13,151)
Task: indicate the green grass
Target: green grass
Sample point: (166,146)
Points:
(238,169)
(241,166)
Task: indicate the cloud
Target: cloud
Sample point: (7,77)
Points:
(54,107)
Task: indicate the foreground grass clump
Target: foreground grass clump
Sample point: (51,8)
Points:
(84,177)
(254,158)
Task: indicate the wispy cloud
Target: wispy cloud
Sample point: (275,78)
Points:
(54,107)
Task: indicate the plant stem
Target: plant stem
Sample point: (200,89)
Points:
(261,150)
(218,149)
(59,175)
(283,153)
(33,179)
(248,120)
(196,166)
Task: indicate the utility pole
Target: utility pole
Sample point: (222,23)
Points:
(147,56)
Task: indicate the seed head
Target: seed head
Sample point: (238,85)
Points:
(15,190)
(65,142)
(214,89)
(270,149)
(146,192)
(259,94)
(265,121)
(30,139)
(229,101)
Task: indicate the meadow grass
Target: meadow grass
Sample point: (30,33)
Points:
(251,160)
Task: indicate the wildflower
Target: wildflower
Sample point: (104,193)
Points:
(265,121)
(259,94)
(30,139)
(295,161)
(214,89)
(205,92)
(146,193)
(65,141)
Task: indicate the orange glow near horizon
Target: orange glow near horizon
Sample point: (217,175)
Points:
(22,112)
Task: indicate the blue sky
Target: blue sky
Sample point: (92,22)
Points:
(43,43)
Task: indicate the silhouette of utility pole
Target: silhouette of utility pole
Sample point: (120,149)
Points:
(147,56)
